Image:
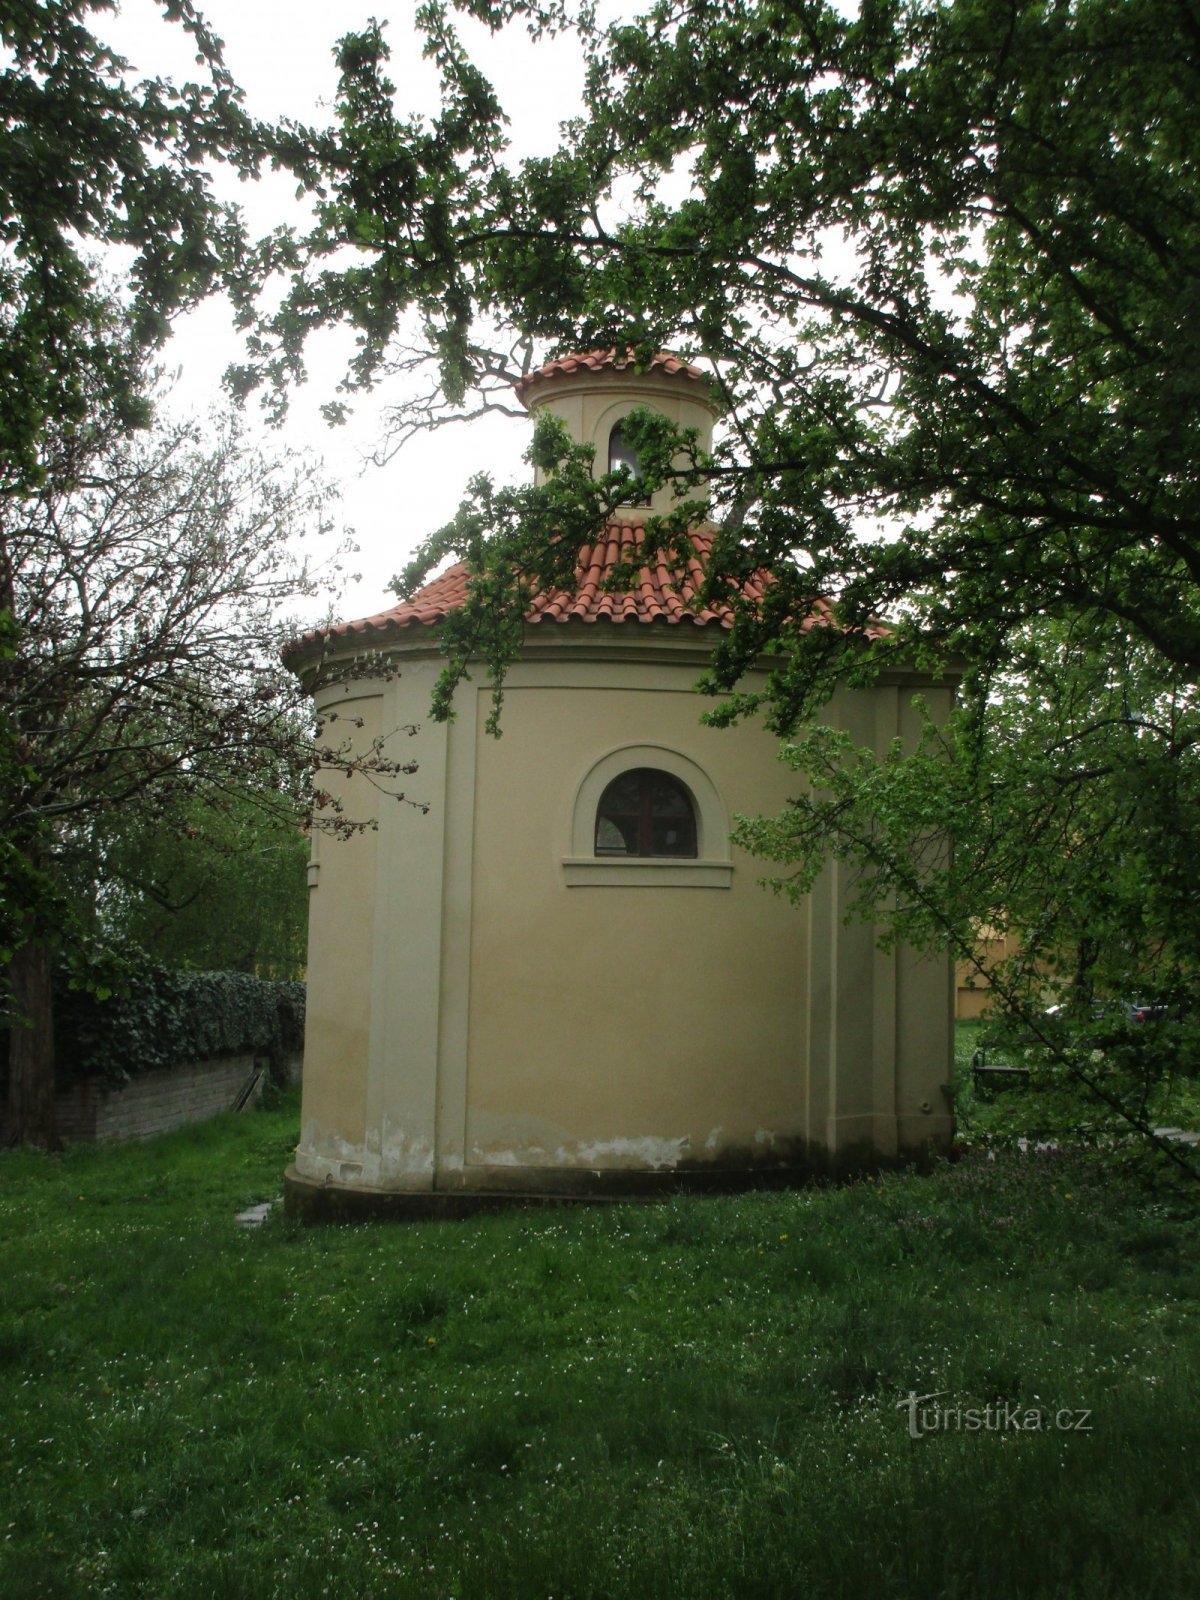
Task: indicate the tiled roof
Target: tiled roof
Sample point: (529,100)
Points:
(660,595)
(606,361)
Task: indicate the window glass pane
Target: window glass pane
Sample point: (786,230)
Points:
(672,836)
(667,796)
(645,812)
(624,793)
(615,839)
(621,453)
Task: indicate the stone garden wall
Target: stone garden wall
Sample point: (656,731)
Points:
(153,1102)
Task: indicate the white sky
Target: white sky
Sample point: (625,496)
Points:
(280,52)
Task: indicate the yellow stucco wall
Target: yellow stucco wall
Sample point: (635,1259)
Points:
(625,1025)
(489,1008)
(342,879)
(880,1023)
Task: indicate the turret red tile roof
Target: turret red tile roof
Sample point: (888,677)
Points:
(606,361)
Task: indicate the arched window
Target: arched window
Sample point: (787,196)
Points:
(622,454)
(645,812)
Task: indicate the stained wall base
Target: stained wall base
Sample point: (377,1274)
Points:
(503,1188)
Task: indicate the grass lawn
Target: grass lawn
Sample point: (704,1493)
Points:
(697,1399)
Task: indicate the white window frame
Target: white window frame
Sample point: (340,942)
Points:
(710,868)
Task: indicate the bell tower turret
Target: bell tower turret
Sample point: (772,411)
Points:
(594,393)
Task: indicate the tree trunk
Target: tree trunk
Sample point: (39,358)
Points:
(30,1116)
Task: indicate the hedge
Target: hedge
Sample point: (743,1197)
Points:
(167,1018)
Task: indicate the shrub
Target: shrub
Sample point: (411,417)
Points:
(164,1018)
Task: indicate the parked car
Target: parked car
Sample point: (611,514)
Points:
(1112,1022)
(1126,1011)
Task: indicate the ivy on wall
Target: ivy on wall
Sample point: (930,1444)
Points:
(166,1018)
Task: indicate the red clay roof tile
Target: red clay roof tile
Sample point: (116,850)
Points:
(659,596)
(605,361)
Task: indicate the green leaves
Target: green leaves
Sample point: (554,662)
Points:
(93,157)
(1047,836)
(224,888)
(163,1018)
